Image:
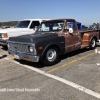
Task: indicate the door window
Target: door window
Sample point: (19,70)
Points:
(34,24)
(70,24)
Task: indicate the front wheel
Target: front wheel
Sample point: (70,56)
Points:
(51,56)
(93,43)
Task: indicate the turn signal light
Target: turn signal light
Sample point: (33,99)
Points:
(40,48)
(26,58)
(4,35)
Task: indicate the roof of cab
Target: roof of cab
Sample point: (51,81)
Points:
(60,19)
(36,19)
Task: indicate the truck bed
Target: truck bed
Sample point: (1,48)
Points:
(85,31)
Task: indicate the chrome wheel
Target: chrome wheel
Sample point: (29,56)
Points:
(93,43)
(51,55)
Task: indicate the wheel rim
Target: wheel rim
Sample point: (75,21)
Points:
(51,55)
(93,43)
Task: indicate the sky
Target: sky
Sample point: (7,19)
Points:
(84,11)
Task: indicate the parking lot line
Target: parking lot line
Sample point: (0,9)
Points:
(73,61)
(74,85)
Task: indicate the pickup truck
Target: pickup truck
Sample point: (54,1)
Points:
(52,39)
(26,26)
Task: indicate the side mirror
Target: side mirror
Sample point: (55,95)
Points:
(70,30)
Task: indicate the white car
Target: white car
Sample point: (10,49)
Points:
(24,27)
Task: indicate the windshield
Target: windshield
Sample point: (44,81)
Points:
(23,24)
(50,26)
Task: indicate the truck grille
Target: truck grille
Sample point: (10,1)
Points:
(19,47)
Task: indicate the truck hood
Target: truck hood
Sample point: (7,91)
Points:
(32,38)
(7,30)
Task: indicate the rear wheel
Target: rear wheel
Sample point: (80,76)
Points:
(93,43)
(51,56)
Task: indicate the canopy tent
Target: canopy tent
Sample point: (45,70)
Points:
(78,24)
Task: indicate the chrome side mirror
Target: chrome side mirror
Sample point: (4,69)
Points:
(70,30)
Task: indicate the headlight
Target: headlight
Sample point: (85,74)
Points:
(5,35)
(31,49)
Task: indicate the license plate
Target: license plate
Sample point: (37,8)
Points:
(16,56)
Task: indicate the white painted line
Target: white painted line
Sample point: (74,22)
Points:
(98,52)
(98,64)
(74,85)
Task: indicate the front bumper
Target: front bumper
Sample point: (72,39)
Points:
(3,42)
(24,56)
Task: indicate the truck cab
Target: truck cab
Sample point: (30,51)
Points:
(24,27)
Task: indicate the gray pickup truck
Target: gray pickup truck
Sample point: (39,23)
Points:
(52,39)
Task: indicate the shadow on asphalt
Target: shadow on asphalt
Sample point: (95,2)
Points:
(4,48)
(98,45)
(62,57)
(73,53)
(34,64)
(3,56)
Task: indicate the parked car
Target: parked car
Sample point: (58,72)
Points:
(26,26)
(6,27)
(52,39)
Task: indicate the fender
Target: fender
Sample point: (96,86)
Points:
(51,44)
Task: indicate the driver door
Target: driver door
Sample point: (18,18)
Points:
(72,40)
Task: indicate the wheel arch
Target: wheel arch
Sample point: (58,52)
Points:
(42,58)
(93,37)
(52,45)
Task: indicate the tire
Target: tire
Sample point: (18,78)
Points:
(93,43)
(51,56)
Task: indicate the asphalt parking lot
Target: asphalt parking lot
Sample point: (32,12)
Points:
(75,77)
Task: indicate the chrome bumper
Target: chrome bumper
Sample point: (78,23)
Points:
(3,42)
(24,56)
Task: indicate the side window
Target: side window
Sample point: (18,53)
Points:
(34,24)
(70,24)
